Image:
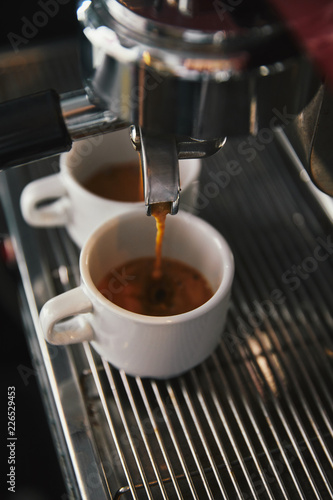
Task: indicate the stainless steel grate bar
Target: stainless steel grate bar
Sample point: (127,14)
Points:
(287,314)
(212,427)
(126,426)
(250,413)
(143,434)
(219,443)
(287,426)
(265,413)
(322,382)
(233,441)
(304,403)
(280,443)
(292,249)
(285,420)
(160,441)
(111,426)
(190,437)
(289,400)
(243,431)
(295,354)
(176,444)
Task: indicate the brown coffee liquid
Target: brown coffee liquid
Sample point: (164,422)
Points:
(179,288)
(156,286)
(159,211)
(118,182)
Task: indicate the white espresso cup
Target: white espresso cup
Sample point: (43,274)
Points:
(141,345)
(78,209)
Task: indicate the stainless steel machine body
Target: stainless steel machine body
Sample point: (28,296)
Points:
(188,78)
(185,77)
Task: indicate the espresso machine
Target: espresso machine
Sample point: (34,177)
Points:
(238,84)
(185,76)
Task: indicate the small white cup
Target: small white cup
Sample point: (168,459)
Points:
(79,210)
(146,346)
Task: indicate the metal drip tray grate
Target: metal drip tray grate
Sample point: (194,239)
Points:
(255,420)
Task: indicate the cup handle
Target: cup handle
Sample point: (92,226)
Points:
(41,190)
(62,318)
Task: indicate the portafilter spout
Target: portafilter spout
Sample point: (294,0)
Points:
(159,155)
(160,172)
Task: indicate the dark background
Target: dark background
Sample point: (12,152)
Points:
(16,15)
(38,475)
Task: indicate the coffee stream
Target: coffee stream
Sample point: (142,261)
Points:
(156,286)
(159,211)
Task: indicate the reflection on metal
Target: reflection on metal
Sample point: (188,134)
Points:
(311,136)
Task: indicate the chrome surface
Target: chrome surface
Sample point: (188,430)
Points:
(202,83)
(160,169)
(311,138)
(256,419)
(84,119)
(193,71)
(159,161)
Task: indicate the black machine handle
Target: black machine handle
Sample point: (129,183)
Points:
(32,128)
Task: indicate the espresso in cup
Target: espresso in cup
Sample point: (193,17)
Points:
(179,288)
(118,182)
